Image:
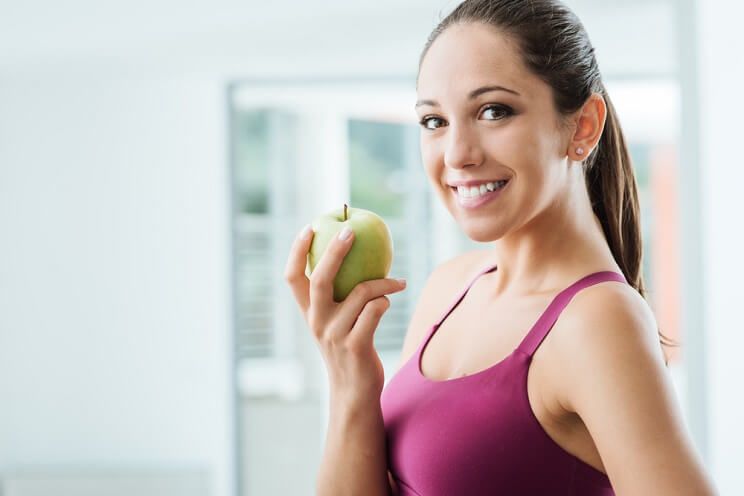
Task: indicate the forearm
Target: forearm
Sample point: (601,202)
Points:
(354,461)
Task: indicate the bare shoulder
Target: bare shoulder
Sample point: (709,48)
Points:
(443,282)
(606,318)
(613,376)
(611,314)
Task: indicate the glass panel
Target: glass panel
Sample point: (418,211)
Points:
(376,166)
(250,146)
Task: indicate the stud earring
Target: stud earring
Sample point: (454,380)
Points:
(580,151)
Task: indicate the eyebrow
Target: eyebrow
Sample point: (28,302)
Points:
(473,94)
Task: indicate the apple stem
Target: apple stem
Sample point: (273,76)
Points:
(346,216)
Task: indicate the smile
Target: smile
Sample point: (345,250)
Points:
(474,197)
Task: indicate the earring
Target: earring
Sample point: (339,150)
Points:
(580,151)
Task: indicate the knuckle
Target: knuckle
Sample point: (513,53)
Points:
(363,291)
(321,336)
(378,305)
(332,343)
(384,303)
(323,339)
(324,329)
(332,328)
(314,323)
(317,281)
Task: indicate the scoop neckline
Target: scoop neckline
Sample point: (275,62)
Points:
(420,354)
(432,330)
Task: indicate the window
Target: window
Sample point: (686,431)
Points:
(252,233)
(299,151)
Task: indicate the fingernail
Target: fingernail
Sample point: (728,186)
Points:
(306,231)
(345,233)
(402,281)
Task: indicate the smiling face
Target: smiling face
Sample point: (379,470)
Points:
(512,134)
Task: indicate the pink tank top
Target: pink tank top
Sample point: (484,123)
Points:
(477,434)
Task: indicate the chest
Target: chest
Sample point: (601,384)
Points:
(480,332)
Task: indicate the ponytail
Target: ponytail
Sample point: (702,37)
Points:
(611,183)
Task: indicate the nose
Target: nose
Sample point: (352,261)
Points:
(463,148)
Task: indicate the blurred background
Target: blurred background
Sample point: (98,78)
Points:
(157,159)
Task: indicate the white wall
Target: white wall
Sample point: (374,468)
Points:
(720,110)
(115,322)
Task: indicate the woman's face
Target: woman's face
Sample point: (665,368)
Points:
(482,136)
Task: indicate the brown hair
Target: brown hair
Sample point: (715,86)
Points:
(556,48)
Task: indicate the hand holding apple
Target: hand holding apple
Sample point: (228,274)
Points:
(370,256)
(340,327)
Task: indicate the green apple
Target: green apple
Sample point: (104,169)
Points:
(370,255)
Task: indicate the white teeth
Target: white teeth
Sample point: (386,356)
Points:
(475,191)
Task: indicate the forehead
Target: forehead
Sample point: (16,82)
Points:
(466,56)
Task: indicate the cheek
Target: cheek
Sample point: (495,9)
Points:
(526,147)
(519,139)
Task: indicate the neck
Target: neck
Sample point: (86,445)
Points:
(561,243)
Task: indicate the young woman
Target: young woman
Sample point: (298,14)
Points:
(544,374)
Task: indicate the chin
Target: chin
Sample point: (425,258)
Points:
(481,232)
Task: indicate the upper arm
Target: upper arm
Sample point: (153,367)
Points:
(617,382)
(433,299)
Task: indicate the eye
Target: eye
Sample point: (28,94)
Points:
(425,120)
(506,111)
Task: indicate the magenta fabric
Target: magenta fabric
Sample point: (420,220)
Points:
(477,434)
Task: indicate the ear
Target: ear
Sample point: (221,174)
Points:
(589,123)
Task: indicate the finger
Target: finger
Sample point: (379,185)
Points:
(363,332)
(294,271)
(363,293)
(324,273)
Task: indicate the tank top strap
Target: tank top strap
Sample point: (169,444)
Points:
(462,294)
(548,318)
